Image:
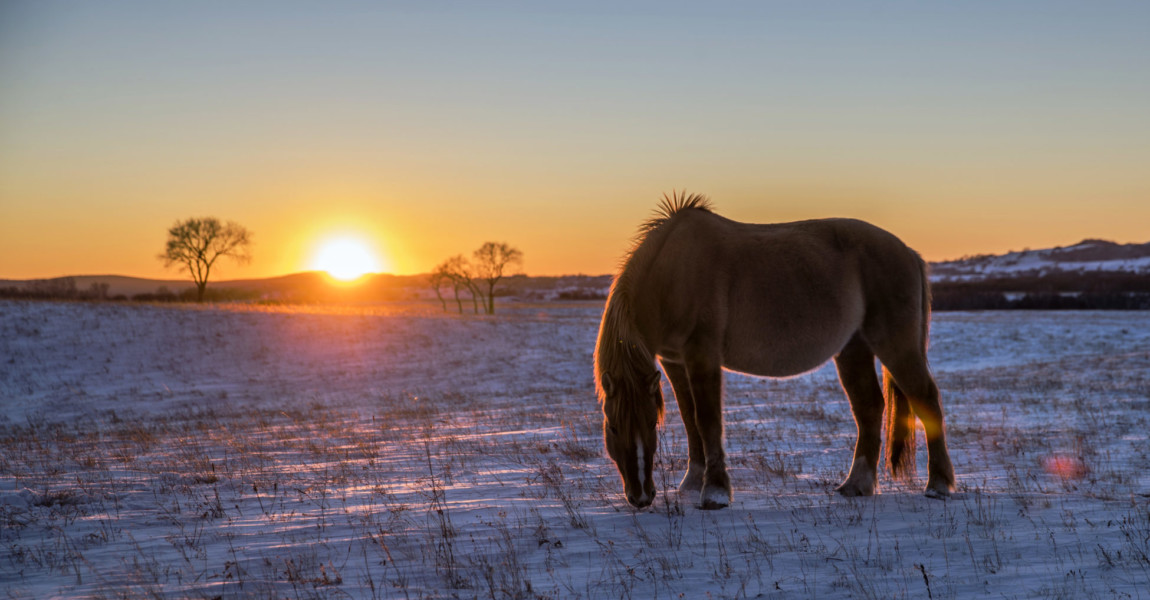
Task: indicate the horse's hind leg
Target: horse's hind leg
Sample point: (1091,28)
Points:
(913,377)
(860,382)
(696,459)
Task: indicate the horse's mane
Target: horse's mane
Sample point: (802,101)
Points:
(668,207)
(619,352)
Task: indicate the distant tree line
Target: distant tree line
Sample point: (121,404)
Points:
(1052,291)
(62,288)
(476,278)
(65,288)
(967,300)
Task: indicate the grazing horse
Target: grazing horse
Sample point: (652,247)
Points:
(700,293)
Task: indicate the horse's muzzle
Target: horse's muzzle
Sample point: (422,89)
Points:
(642,500)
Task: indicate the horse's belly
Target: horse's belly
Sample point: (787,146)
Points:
(777,350)
(782,359)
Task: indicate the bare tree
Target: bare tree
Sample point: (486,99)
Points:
(196,244)
(436,279)
(491,260)
(461,275)
(457,272)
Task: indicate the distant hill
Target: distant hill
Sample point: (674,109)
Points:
(1092,274)
(1084,257)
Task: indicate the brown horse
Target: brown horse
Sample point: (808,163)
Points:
(700,293)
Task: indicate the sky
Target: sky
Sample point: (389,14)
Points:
(428,128)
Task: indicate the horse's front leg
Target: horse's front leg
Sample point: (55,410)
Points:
(706,383)
(696,459)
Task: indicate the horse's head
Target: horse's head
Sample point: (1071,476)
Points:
(632,410)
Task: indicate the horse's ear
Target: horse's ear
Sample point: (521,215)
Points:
(607,385)
(655,382)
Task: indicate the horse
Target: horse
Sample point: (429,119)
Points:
(700,293)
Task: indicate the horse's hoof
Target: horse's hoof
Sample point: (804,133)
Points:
(714,498)
(939,486)
(853,490)
(860,482)
(936,494)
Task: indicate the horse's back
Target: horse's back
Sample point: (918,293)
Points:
(777,299)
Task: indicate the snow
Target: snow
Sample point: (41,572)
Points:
(1085,257)
(396,451)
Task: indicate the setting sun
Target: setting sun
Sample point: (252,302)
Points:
(346,258)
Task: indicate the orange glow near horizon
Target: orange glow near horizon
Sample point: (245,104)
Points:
(557,133)
(346,258)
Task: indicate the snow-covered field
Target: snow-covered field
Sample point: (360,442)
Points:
(400,452)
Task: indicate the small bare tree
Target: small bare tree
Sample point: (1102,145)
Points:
(436,279)
(196,244)
(491,260)
(460,274)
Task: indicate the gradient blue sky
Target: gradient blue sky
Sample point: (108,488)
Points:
(428,128)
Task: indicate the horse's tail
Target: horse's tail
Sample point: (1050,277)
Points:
(900,452)
(900,447)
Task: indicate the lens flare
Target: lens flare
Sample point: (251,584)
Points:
(1068,468)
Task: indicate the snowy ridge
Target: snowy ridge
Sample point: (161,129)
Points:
(1086,256)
